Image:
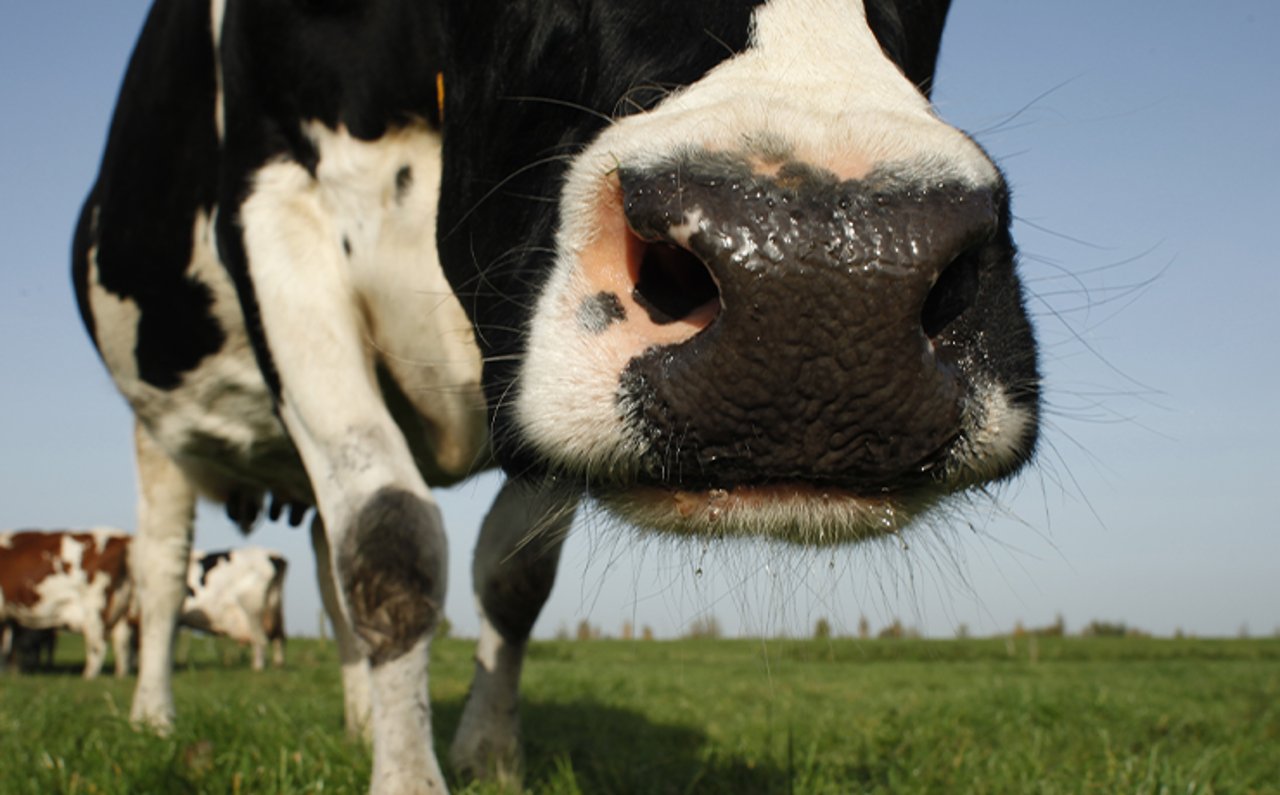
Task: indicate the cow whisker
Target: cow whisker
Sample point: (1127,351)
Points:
(563,103)
(497,187)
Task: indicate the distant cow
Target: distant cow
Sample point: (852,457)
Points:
(77,580)
(719,266)
(239,594)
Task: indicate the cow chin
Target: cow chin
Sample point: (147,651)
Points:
(801,514)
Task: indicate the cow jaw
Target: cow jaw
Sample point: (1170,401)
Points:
(796,513)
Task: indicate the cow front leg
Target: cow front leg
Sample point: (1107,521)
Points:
(95,645)
(386,539)
(258,651)
(7,631)
(391,566)
(512,574)
(250,607)
(122,646)
(355,666)
(388,549)
(158,559)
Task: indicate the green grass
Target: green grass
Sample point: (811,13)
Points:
(1080,716)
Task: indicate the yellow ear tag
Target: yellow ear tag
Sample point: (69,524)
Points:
(440,95)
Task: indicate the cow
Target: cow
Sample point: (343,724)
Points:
(238,594)
(718,267)
(76,580)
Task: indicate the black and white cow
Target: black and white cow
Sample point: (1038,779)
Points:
(239,594)
(717,265)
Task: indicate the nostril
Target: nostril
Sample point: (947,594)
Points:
(672,284)
(952,294)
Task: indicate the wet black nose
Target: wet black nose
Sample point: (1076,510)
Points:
(837,351)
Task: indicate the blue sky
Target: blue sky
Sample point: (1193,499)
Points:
(1139,138)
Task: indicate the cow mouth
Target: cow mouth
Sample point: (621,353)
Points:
(798,513)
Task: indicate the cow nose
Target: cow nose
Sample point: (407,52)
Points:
(827,348)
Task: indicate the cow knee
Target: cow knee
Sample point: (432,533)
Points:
(391,562)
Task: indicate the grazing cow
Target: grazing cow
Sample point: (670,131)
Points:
(239,594)
(77,580)
(718,266)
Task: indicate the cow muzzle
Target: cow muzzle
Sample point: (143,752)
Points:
(789,339)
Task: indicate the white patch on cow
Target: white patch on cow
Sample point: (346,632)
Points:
(814,87)
(115,325)
(72,553)
(345,270)
(218,9)
(992,440)
(692,222)
(488,644)
(567,398)
(101,535)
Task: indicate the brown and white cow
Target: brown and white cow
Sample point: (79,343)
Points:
(239,594)
(77,580)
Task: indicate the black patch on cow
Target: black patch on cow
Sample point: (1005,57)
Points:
(909,33)
(364,66)
(513,594)
(346,245)
(404,181)
(158,170)
(596,313)
(391,566)
(211,561)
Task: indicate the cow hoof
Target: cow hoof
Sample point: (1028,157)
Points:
(158,723)
(485,757)
(151,712)
(360,728)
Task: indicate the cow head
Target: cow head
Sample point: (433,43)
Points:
(727,267)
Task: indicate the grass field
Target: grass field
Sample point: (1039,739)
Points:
(729,716)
